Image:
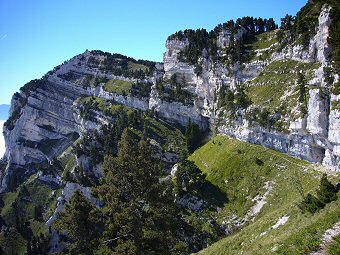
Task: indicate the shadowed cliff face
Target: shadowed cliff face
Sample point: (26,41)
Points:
(2,140)
(45,128)
(45,116)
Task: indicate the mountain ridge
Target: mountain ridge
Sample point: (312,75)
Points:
(198,98)
(247,80)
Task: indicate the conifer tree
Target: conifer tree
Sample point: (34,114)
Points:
(139,212)
(327,191)
(192,135)
(81,222)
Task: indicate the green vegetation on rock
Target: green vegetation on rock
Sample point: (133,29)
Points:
(278,88)
(242,170)
(119,87)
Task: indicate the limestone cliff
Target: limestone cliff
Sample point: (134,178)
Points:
(313,136)
(46,115)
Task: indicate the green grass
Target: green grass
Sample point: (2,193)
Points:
(118,87)
(336,105)
(68,159)
(136,67)
(228,159)
(277,79)
(263,41)
(334,247)
(101,102)
(170,138)
(104,105)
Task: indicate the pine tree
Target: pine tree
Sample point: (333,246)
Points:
(287,22)
(302,83)
(81,222)
(327,191)
(188,178)
(139,210)
(192,135)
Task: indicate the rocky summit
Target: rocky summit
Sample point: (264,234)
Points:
(277,89)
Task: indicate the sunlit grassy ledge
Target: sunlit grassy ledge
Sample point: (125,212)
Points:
(235,167)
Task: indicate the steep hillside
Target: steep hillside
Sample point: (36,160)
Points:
(245,79)
(2,140)
(264,184)
(106,139)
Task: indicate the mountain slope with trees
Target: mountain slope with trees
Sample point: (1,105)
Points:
(111,155)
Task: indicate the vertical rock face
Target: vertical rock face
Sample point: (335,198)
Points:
(317,121)
(45,128)
(332,155)
(172,64)
(315,137)
(44,122)
(223,40)
(321,39)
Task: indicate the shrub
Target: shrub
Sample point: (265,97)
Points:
(336,88)
(188,178)
(327,191)
(311,204)
(325,194)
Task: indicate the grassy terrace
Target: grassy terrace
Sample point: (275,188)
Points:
(276,80)
(118,87)
(136,67)
(104,105)
(263,41)
(241,170)
(169,137)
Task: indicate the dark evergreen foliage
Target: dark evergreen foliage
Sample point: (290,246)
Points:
(139,213)
(200,39)
(193,136)
(311,204)
(82,223)
(327,191)
(118,64)
(233,101)
(188,178)
(302,83)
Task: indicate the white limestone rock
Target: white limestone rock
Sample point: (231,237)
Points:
(318,111)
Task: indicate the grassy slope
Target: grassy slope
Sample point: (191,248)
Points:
(263,41)
(118,86)
(228,159)
(136,67)
(38,194)
(277,79)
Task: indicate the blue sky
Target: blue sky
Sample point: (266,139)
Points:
(37,35)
